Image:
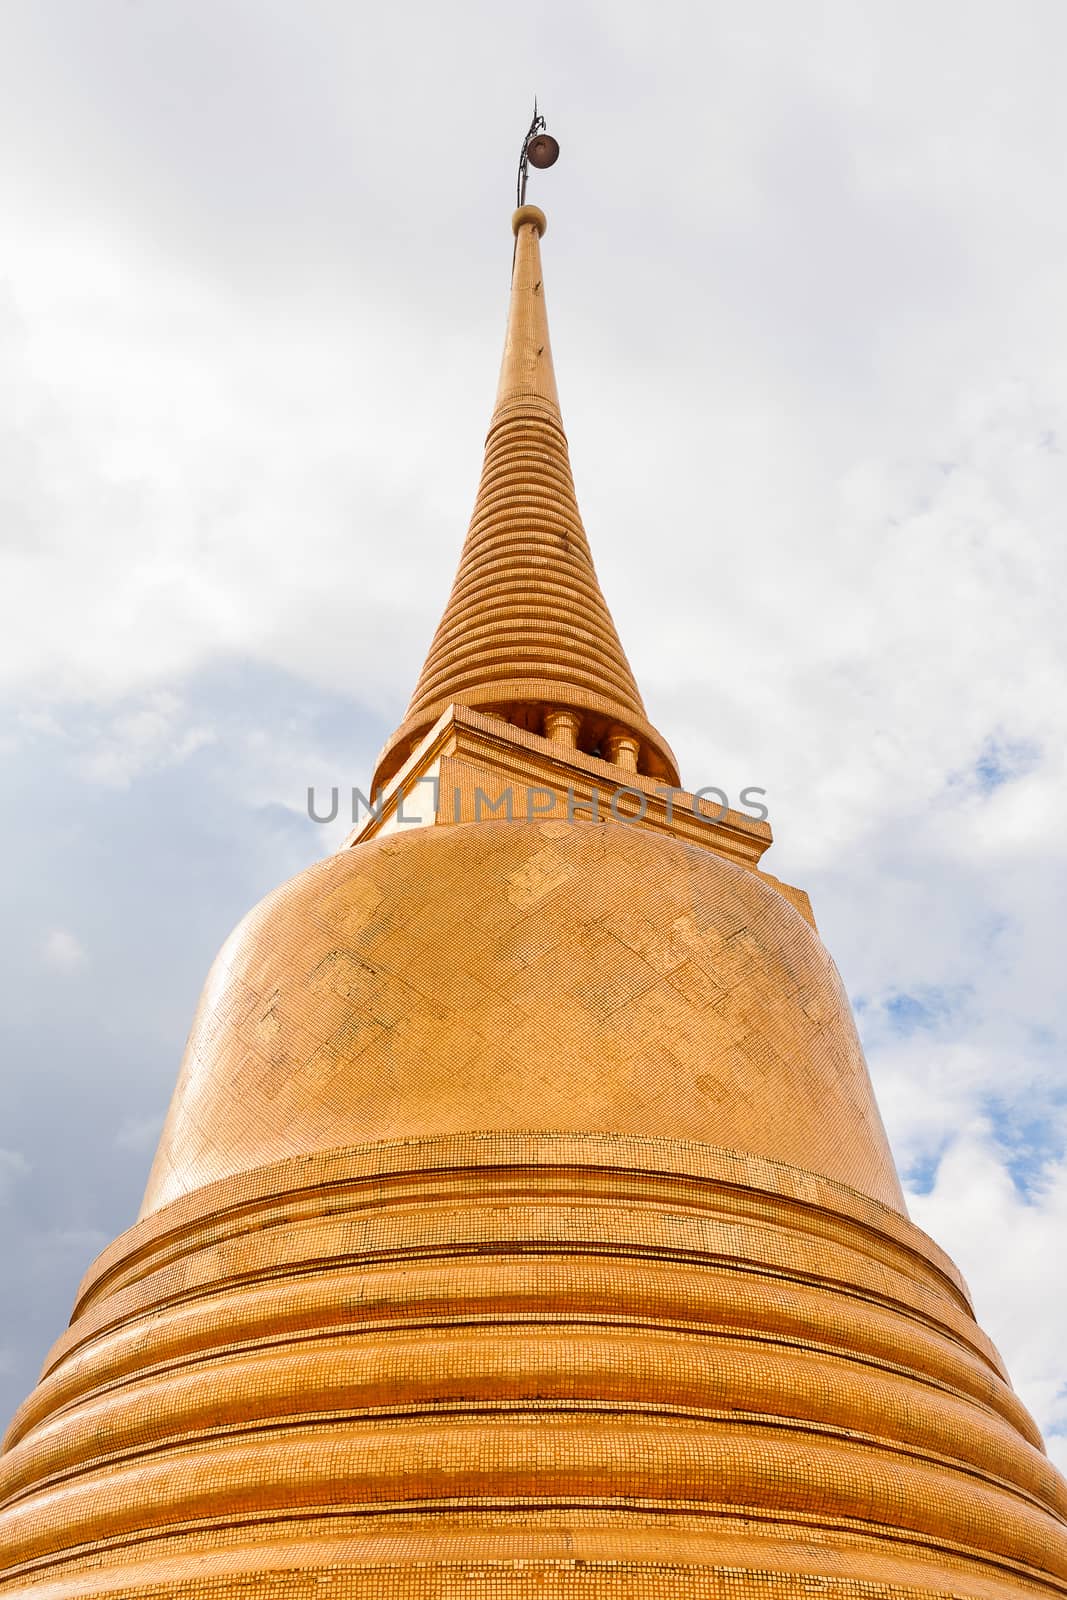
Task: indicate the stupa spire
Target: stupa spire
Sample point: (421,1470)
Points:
(527,633)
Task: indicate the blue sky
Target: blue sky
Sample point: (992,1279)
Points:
(804,271)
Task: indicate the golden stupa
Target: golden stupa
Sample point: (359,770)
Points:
(524,1224)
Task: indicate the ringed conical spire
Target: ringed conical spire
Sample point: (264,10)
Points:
(527,633)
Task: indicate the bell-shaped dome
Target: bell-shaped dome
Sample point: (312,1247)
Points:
(498,977)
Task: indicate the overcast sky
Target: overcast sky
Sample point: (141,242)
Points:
(806,273)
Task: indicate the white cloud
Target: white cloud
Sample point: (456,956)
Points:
(1009,1247)
(151,737)
(139,1133)
(13,1166)
(64,951)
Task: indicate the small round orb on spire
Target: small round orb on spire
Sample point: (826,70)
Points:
(542,150)
(526,214)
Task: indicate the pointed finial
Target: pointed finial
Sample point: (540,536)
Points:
(538,149)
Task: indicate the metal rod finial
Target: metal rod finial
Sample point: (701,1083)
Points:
(539,149)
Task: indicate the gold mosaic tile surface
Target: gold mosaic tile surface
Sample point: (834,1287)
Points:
(501,977)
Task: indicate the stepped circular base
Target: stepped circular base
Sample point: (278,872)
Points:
(526,1364)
